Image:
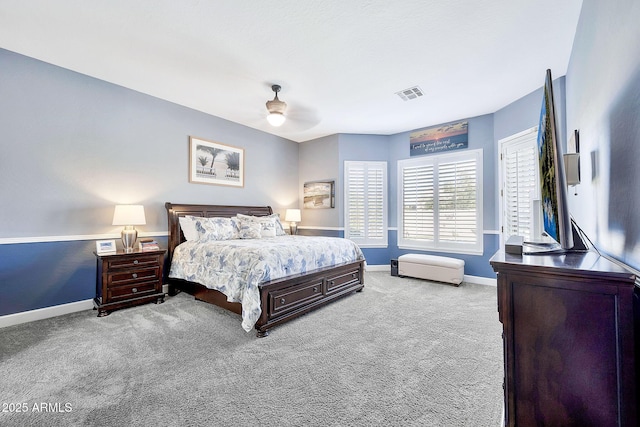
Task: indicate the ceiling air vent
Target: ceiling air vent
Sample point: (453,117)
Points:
(411,93)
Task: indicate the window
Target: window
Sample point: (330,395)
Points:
(519,183)
(440,202)
(365,189)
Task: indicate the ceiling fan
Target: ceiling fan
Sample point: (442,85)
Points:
(276,108)
(292,117)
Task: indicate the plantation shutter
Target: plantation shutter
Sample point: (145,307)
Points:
(520,185)
(440,202)
(366,203)
(457,201)
(418,203)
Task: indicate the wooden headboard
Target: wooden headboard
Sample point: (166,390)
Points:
(175,211)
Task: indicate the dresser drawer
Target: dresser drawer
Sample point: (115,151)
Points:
(133,261)
(285,300)
(343,280)
(131,291)
(133,276)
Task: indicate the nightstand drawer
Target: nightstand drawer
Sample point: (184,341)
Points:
(133,261)
(133,276)
(125,279)
(131,291)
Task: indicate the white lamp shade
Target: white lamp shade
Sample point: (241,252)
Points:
(129,215)
(292,215)
(276,119)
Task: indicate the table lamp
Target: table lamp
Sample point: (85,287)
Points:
(129,215)
(293,216)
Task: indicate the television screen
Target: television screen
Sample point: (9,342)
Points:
(547,142)
(554,205)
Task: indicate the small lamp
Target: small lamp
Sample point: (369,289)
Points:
(129,215)
(293,216)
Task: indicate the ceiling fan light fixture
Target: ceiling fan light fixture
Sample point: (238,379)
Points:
(276,108)
(276,119)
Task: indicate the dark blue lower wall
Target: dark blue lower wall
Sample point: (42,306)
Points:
(40,275)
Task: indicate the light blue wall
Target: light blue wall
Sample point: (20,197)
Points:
(74,146)
(320,160)
(603,103)
(524,113)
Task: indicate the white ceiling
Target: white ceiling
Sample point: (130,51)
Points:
(339,62)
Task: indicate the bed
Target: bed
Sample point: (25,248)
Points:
(278,299)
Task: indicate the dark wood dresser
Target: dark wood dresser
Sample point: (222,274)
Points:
(127,279)
(568,335)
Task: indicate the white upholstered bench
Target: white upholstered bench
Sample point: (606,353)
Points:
(431,267)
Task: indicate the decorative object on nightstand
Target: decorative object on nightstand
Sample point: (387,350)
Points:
(129,215)
(126,279)
(148,244)
(293,216)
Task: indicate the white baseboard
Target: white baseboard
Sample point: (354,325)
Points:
(45,313)
(480,280)
(469,279)
(383,267)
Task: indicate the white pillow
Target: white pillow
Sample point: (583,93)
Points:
(188,226)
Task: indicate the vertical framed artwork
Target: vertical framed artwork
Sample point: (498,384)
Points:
(215,163)
(319,195)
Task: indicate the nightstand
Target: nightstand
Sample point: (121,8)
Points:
(128,279)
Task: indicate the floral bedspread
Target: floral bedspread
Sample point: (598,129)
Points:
(237,267)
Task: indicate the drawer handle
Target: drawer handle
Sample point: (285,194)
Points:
(281,300)
(135,275)
(315,289)
(332,283)
(134,290)
(135,261)
(353,275)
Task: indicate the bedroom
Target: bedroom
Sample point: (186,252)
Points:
(74,146)
(95,144)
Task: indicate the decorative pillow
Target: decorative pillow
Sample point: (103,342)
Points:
(188,226)
(250,229)
(271,225)
(279,228)
(268,227)
(217,228)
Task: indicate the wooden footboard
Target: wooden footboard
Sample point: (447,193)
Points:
(282,299)
(290,297)
(285,299)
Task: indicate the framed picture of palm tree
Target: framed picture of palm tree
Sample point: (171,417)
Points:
(215,163)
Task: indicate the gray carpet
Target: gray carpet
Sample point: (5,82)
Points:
(403,352)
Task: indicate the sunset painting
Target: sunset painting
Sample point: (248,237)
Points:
(437,139)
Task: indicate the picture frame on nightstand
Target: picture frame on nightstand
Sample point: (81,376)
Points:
(105,247)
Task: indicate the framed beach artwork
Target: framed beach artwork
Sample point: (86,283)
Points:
(319,195)
(215,163)
(438,139)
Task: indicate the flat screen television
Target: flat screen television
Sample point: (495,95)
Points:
(560,233)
